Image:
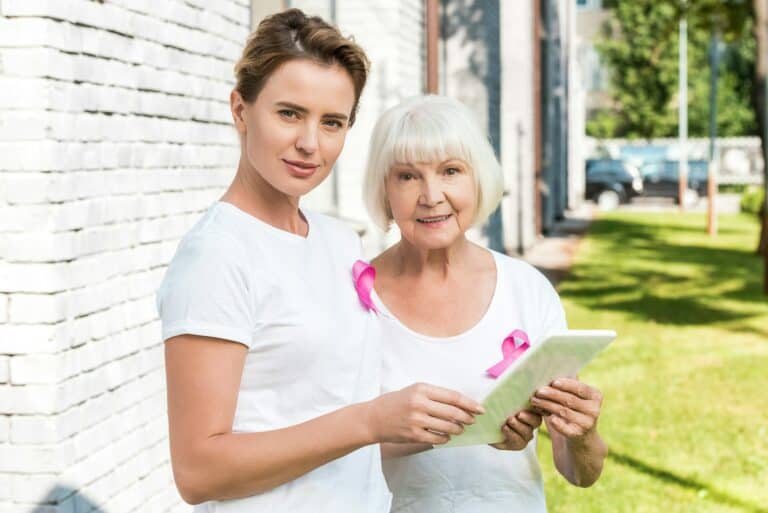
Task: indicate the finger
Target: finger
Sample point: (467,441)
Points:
(530,418)
(567,429)
(568,400)
(433,438)
(579,420)
(523,430)
(453,398)
(514,440)
(443,426)
(575,387)
(449,413)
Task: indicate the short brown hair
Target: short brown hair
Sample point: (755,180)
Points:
(289,35)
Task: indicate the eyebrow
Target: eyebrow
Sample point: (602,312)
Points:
(304,110)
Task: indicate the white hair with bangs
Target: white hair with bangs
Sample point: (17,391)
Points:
(430,128)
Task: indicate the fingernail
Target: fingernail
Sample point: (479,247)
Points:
(480,409)
(557,382)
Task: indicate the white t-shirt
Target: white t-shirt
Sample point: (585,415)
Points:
(475,479)
(311,345)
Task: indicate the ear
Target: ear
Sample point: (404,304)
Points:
(238,108)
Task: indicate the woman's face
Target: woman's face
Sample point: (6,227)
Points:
(432,203)
(294,130)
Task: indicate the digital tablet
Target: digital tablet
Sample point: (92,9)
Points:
(561,354)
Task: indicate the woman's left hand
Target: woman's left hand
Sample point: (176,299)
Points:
(573,407)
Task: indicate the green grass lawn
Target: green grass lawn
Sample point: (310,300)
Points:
(686,382)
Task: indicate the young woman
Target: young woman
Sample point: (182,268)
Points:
(272,373)
(447,304)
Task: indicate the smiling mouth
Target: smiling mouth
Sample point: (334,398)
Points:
(433,219)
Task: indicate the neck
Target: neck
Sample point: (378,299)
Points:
(252,194)
(440,263)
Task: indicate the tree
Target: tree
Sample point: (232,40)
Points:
(639,46)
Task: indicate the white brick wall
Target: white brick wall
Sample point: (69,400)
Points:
(115,135)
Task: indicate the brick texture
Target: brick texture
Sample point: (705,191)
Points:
(115,135)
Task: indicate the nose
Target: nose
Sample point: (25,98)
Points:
(306,140)
(431,192)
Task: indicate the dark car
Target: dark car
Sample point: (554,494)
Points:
(611,182)
(661,179)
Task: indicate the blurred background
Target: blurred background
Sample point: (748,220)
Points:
(629,133)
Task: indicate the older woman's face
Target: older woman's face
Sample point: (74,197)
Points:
(433,203)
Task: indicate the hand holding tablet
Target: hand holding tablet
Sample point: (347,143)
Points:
(561,355)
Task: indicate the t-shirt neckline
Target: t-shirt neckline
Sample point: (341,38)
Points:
(279,232)
(453,338)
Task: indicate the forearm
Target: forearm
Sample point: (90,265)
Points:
(233,465)
(392,450)
(579,461)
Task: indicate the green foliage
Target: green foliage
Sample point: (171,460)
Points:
(752,200)
(685,413)
(639,47)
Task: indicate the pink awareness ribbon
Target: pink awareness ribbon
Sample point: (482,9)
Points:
(512,347)
(364,275)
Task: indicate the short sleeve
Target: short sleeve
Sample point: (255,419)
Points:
(206,291)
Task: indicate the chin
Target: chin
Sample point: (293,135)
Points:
(296,187)
(436,242)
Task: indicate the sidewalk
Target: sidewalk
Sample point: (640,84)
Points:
(553,254)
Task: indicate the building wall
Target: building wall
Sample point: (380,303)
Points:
(517,125)
(562,127)
(115,135)
(576,109)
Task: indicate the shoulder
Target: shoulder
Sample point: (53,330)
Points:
(520,270)
(211,244)
(532,294)
(333,228)
(526,278)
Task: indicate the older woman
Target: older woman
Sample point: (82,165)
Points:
(446,305)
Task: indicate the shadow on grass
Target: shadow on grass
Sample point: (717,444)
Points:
(683,482)
(640,269)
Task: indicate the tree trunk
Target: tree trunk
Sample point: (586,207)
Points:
(762,246)
(761,73)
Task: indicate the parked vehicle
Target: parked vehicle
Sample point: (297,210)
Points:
(611,182)
(661,179)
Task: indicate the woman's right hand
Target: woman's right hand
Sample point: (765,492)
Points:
(518,430)
(420,413)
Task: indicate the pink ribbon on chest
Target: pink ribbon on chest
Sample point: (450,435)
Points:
(512,347)
(364,276)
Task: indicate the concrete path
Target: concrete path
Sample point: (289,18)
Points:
(553,254)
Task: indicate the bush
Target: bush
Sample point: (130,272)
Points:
(752,201)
